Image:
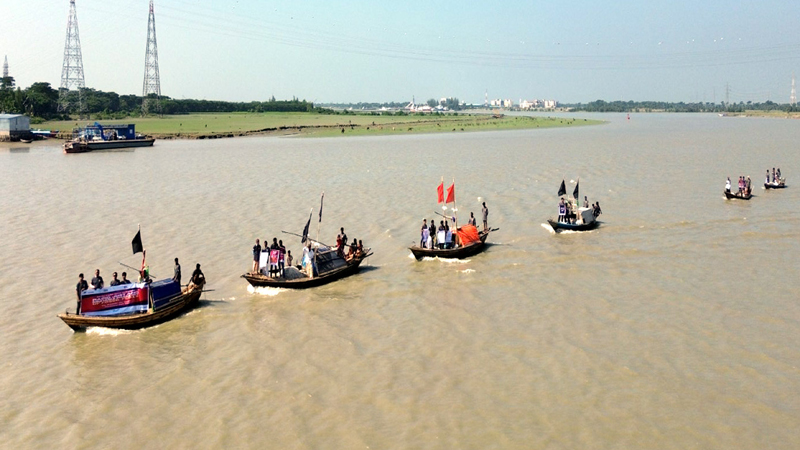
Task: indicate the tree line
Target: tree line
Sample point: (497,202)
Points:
(648,106)
(40,102)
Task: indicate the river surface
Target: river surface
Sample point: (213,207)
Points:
(675,325)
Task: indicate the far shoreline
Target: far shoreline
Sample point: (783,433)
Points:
(231,125)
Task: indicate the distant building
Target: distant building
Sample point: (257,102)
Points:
(529,104)
(14,126)
(550,104)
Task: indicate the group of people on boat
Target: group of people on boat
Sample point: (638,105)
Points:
(277,257)
(776,177)
(433,237)
(348,252)
(443,237)
(568,210)
(745,187)
(97,282)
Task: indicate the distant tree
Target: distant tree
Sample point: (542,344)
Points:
(433,103)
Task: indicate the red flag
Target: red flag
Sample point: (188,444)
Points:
(440,191)
(451,193)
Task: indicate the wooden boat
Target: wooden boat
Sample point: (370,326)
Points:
(161,311)
(331,267)
(780,185)
(573,226)
(461,252)
(736,196)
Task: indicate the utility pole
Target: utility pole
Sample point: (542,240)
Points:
(727,94)
(793,96)
(486,99)
(5,69)
(151,90)
(72,69)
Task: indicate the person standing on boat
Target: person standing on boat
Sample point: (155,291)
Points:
(773,174)
(585,201)
(339,246)
(432,231)
(124,279)
(485,212)
(767,180)
(82,286)
(423,233)
(344,238)
(748,186)
(308,260)
(256,256)
(728,185)
(597,210)
(779,174)
(282,260)
(289,258)
(562,211)
(114,280)
(472,220)
(97,281)
(176,272)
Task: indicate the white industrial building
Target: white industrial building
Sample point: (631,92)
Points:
(14,127)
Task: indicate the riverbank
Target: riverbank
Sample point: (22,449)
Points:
(227,125)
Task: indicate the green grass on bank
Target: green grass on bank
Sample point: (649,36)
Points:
(313,124)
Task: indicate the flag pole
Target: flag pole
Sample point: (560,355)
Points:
(455,208)
(319,223)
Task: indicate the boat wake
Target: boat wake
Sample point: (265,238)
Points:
(467,271)
(101,331)
(547,227)
(266,290)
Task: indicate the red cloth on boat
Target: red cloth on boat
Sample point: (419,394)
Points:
(468,234)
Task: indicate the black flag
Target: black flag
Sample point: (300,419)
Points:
(305,230)
(320,206)
(137,243)
(563,189)
(575,192)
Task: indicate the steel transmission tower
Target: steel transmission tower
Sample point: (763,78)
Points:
(151,90)
(793,96)
(72,71)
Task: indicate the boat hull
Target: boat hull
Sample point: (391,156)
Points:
(83,147)
(573,226)
(732,196)
(774,186)
(181,303)
(258,280)
(451,253)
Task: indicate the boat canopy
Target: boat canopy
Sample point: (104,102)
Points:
(328,261)
(468,234)
(107,132)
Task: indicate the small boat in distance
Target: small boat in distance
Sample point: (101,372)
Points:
(737,196)
(321,264)
(778,184)
(444,242)
(459,251)
(105,137)
(329,267)
(572,217)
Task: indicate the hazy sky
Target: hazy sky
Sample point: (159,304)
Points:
(350,51)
